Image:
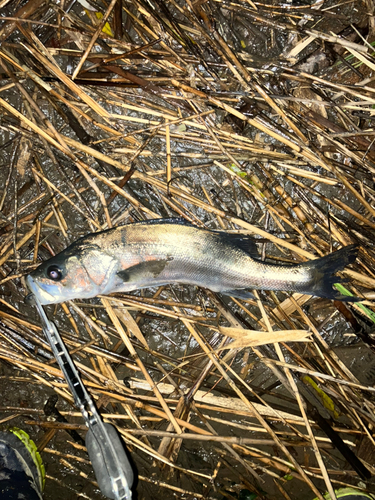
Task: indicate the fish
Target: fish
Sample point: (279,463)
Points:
(165,251)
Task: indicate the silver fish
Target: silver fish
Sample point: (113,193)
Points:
(162,251)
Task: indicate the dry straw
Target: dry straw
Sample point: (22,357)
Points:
(143,110)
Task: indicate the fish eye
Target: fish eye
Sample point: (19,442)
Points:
(54,273)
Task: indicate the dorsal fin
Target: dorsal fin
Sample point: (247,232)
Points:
(242,241)
(170,220)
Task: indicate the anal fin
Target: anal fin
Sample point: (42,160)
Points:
(238,293)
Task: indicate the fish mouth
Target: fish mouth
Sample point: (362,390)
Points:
(37,291)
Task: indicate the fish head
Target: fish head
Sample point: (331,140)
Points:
(75,273)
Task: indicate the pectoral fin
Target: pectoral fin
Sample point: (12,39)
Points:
(238,293)
(144,270)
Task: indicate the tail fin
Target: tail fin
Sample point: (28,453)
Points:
(323,273)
